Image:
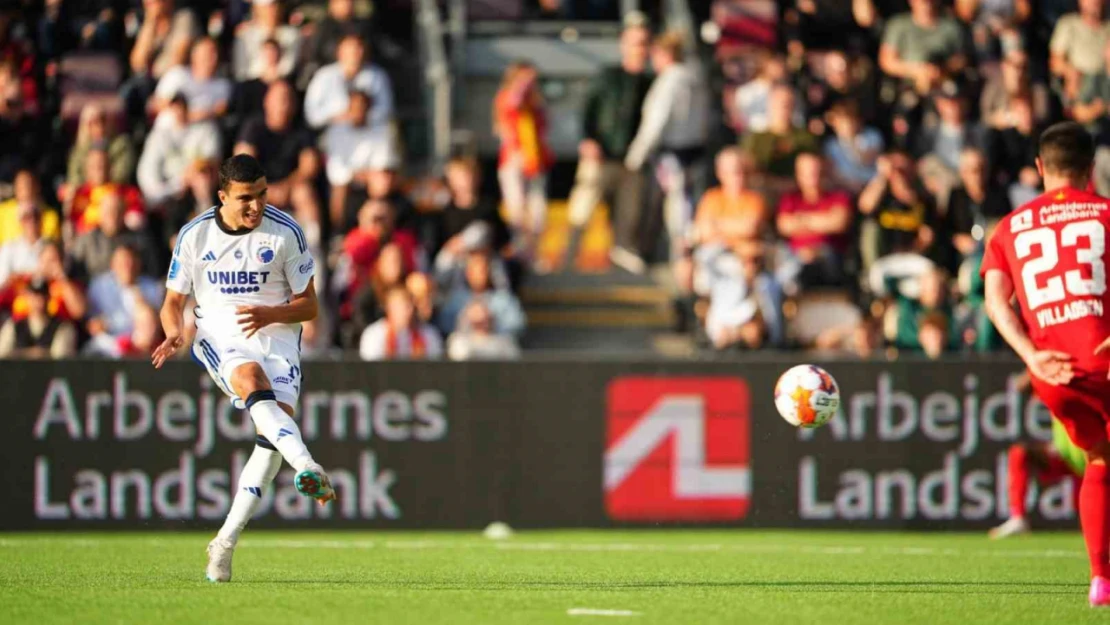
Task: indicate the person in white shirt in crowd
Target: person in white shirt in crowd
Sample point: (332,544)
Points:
(354,147)
(207,94)
(475,338)
(400,335)
(326,100)
(179,160)
(674,128)
(20,256)
(115,299)
(752,99)
(265,24)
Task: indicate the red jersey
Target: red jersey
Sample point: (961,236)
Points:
(1054,250)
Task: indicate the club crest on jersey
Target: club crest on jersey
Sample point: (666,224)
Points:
(264,255)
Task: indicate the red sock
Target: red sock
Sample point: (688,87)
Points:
(1094,517)
(1019,481)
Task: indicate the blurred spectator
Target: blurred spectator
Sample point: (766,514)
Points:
(177,166)
(208,95)
(115,297)
(520,123)
(475,338)
(821,25)
(745,302)
(361,276)
(731,213)
(841,80)
(924,323)
(39,334)
(250,95)
(674,128)
(815,224)
(95,131)
(508,315)
(66,297)
(18,62)
(753,98)
(19,255)
(265,24)
(898,213)
(1077,46)
(383,183)
(1090,106)
(775,148)
(340,22)
(423,291)
(327,101)
(923,47)
(973,204)
(86,206)
(27,202)
(469,222)
(162,42)
(288,154)
(853,149)
(939,146)
(994,26)
(24,137)
(1014,153)
(1010,84)
(400,335)
(93,248)
(143,338)
(610,121)
(353,148)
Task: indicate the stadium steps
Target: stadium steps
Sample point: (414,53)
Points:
(608,311)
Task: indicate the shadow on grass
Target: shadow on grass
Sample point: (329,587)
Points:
(907,587)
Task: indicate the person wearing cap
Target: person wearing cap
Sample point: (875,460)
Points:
(939,147)
(287,152)
(39,334)
(610,121)
(265,24)
(27,200)
(327,99)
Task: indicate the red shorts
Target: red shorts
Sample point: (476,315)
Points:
(1082,407)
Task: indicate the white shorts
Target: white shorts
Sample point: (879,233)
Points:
(280,361)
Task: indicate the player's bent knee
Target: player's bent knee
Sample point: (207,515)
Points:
(249,378)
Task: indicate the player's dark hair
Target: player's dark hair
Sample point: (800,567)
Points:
(240,168)
(1067,148)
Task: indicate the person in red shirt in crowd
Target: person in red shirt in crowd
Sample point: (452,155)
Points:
(1051,255)
(362,248)
(66,298)
(84,211)
(815,223)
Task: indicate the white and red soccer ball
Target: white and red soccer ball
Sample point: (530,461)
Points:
(806,396)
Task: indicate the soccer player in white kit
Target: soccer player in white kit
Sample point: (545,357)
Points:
(250,269)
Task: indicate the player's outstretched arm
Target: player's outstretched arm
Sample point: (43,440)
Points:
(301,307)
(173,323)
(1051,366)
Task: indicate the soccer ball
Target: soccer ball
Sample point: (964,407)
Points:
(807,396)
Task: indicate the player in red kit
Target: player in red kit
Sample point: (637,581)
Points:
(1051,253)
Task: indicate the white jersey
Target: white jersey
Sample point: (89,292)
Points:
(223,270)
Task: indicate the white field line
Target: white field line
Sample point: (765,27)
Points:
(597,612)
(589,547)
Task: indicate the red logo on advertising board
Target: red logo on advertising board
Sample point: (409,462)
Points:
(677,449)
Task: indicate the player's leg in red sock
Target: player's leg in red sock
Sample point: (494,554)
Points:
(1019,480)
(1094,514)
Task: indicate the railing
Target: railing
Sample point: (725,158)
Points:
(438,80)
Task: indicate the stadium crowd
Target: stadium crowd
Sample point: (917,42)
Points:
(867,151)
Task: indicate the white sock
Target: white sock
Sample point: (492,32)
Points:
(279,428)
(260,470)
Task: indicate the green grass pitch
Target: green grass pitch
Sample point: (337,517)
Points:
(712,576)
